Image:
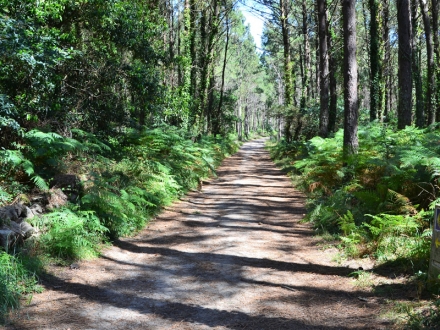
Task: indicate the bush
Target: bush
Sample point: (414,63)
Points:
(377,199)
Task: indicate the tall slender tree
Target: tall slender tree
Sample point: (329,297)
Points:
(323,68)
(284,13)
(351,143)
(416,67)
(430,84)
(376,55)
(404,115)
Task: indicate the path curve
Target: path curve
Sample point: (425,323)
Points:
(233,256)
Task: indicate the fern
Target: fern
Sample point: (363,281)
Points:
(16,160)
(347,224)
(71,234)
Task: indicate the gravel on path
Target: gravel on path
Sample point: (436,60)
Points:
(232,256)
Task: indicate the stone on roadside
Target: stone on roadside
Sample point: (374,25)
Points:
(7,238)
(56,199)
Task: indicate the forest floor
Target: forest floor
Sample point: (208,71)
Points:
(232,256)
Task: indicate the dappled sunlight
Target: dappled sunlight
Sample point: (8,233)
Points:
(232,256)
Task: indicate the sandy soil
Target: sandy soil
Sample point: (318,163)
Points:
(233,256)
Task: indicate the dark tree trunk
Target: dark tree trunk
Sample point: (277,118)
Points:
(435,33)
(287,67)
(317,51)
(323,68)
(376,84)
(405,56)
(430,110)
(387,58)
(420,115)
(217,118)
(333,85)
(192,47)
(350,78)
(305,31)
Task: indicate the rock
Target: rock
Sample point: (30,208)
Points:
(28,213)
(26,230)
(8,238)
(70,184)
(11,213)
(56,199)
(66,181)
(36,209)
(15,227)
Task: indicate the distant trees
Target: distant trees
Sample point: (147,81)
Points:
(398,57)
(105,66)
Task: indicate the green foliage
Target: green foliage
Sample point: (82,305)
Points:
(70,234)
(14,159)
(16,280)
(322,169)
(428,318)
(155,167)
(399,236)
(377,200)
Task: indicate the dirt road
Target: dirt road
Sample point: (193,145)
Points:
(233,256)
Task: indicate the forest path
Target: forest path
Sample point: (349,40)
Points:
(233,256)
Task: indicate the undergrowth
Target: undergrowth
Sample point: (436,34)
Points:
(378,203)
(125,182)
(17,280)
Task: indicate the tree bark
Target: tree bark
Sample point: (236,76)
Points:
(420,114)
(218,115)
(405,58)
(376,83)
(307,73)
(351,143)
(333,84)
(387,58)
(192,47)
(287,65)
(323,68)
(430,110)
(435,33)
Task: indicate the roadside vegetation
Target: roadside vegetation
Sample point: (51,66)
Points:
(375,204)
(124,185)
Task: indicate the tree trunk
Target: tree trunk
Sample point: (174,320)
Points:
(430,95)
(305,31)
(333,85)
(420,115)
(376,54)
(387,59)
(246,122)
(192,47)
(317,51)
(405,56)
(350,79)
(287,66)
(218,115)
(323,68)
(435,33)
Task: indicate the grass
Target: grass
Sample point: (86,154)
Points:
(18,279)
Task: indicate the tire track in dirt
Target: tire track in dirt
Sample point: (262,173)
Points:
(234,256)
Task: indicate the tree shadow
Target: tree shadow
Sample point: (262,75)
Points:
(224,259)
